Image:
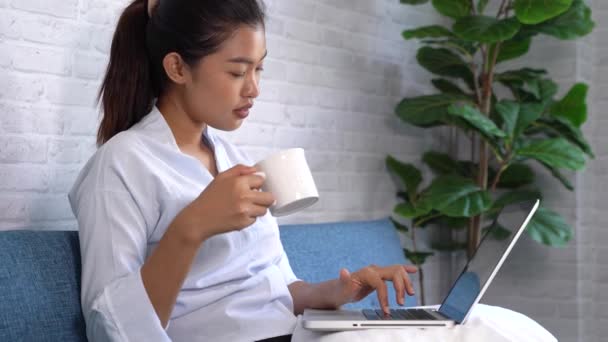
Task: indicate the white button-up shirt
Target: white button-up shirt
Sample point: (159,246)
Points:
(125,198)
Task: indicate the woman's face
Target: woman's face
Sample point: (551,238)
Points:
(227,80)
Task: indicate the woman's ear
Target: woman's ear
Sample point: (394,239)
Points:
(177,70)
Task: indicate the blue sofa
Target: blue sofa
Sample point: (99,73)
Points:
(40,272)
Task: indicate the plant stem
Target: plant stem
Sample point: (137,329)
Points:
(426,219)
(418,265)
(502,8)
(503,167)
(476,81)
(414,238)
(482,176)
(421,285)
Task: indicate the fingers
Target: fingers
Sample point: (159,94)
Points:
(398,283)
(255,180)
(398,274)
(407,282)
(257,210)
(262,198)
(239,170)
(410,268)
(373,279)
(344,275)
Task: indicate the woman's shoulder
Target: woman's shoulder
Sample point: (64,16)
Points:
(111,163)
(123,147)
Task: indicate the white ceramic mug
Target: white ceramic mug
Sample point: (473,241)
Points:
(290,181)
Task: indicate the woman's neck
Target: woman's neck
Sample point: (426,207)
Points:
(186,131)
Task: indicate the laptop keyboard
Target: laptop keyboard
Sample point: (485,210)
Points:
(399,314)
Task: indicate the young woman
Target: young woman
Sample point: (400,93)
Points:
(176,240)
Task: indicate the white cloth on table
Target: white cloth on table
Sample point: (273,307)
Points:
(486,323)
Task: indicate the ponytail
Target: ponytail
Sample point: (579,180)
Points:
(127,93)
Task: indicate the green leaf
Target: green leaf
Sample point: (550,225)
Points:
(513,197)
(417,258)
(432,31)
(535,11)
(516,175)
(456,196)
(464,47)
(517,117)
(549,228)
(476,119)
(520,75)
(453,8)
(509,112)
(558,127)
(440,163)
(573,107)
(547,89)
(525,83)
(426,111)
(410,210)
(414,2)
(434,217)
(453,222)
(448,87)
(511,49)
(481,5)
(443,62)
(575,22)
(560,177)
(557,153)
(409,175)
(486,29)
(399,226)
(443,164)
(497,231)
(451,246)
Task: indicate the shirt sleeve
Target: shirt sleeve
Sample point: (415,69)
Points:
(113,241)
(286,270)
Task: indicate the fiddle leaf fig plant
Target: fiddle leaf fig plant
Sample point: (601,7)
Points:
(527,125)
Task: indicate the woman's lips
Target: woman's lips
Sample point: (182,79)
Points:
(242,112)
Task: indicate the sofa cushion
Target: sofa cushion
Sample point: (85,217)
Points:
(317,252)
(40,286)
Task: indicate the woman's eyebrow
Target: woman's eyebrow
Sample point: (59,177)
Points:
(246,60)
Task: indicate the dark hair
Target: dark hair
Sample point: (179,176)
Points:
(135,74)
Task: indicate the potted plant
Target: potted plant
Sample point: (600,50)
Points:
(512,117)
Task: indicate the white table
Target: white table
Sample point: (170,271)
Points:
(486,323)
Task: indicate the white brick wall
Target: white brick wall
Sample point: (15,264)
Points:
(333,77)
(335,70)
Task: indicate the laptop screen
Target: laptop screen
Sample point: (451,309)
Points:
(479,269)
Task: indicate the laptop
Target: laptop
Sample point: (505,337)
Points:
(466,291)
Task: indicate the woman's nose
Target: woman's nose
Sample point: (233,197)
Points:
(252,88)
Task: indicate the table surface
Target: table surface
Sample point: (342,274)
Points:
(486,323)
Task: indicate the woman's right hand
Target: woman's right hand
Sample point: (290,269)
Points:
(230,202)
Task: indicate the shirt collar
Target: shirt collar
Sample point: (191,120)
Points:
(156,127)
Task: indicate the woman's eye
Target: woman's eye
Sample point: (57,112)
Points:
(260,69)
(237,74)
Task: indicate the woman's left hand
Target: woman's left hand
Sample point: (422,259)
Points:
(352,287)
